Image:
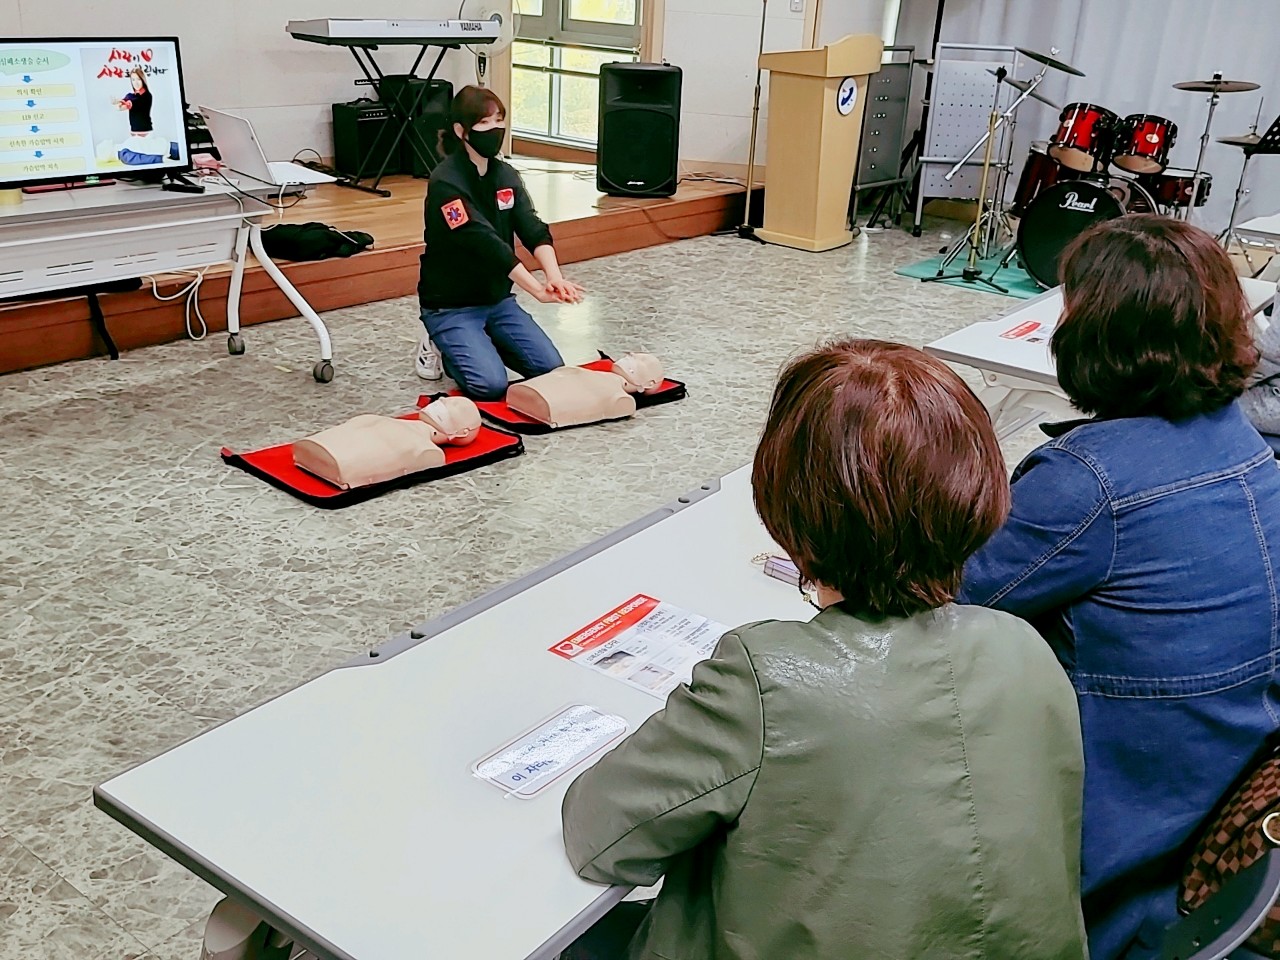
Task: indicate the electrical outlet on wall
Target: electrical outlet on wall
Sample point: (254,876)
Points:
(797,6)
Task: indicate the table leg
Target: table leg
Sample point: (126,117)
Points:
(234,932)
(323,370)
(1014,407)
(99,322)
(1016,414)
(235,342)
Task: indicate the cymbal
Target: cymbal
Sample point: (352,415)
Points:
(1049,61)
(1247,140)
(1217,85)
(1022,85)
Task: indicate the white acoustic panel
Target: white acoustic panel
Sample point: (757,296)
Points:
(959,111)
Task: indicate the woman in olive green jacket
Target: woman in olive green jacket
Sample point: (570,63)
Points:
(897,779)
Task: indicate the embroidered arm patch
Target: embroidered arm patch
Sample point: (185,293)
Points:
(455,214)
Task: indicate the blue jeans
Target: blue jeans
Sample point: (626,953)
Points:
(477,345)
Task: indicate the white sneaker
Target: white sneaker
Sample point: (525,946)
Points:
(428,365)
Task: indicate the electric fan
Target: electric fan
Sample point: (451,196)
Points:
(507,13)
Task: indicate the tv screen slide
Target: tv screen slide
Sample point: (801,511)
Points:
(71,109)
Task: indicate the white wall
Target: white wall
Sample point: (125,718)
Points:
(236,55)
(843,17)
(715,42)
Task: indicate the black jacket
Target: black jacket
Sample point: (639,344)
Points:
(471,225)
(139,112)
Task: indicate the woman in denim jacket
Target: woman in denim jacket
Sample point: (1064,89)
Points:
(1145,546)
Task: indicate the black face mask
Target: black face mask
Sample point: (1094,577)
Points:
(487,143)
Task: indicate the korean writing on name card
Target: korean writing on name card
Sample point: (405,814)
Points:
(529,764)
(645,643)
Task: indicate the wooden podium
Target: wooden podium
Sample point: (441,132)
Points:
(816,99)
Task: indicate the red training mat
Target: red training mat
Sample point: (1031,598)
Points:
(275,466)
(498,412)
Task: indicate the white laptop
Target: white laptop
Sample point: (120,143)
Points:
(241,151)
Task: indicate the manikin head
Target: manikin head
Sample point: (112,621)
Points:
(640,372)
(453,420)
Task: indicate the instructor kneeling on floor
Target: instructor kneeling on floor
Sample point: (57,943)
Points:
(476,205)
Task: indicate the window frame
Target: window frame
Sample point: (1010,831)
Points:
(555,72)
(555,25)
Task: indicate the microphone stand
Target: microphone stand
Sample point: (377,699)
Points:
(745,231)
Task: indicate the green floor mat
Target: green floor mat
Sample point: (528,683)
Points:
(1013,278)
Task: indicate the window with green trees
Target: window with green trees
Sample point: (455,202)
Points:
(556,62)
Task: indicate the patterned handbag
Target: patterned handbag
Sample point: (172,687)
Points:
(1238,836)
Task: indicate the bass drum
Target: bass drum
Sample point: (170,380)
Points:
(1055,218)
(1133,196)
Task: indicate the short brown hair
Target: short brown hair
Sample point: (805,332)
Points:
(470,105)
(1154,321)
(879,474)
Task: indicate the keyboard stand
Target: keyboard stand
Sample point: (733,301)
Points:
(400,115)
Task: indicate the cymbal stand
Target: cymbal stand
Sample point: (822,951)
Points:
(975,238)
(1000,222)
(1268,143)
(1002,119)
(1214,99)
(1227,236)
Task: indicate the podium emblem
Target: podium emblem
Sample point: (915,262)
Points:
(847,96)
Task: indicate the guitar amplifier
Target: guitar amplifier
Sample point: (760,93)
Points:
(357,127)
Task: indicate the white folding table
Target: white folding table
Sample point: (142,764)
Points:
(1011,351)
(1262,230)
(76,239)
(344,813)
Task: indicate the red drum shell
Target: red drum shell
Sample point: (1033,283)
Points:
(1143,142)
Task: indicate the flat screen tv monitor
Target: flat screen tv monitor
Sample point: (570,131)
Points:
(76,109)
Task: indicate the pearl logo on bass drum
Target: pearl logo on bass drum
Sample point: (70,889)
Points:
(1073,202)
(1057,216)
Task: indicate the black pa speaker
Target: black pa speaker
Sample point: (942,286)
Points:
(427,102)
(638,141)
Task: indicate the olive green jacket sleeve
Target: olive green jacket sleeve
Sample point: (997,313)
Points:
(686,773)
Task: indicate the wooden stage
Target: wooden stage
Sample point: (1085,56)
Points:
(586,224)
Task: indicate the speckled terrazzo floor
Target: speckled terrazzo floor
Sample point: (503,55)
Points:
(148,591)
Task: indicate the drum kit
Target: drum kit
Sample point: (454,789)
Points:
(1097,166)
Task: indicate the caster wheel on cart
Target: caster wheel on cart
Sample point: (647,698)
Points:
(235,344)
(322,371)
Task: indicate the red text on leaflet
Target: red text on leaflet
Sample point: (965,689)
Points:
(607,627)
(1021,330)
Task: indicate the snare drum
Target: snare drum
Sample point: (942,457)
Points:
(1142,143)
(1083,140)
(1172,188)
